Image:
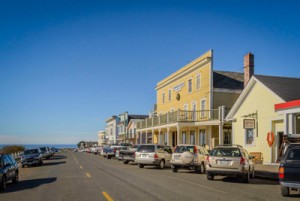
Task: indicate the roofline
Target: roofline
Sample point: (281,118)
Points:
(287,105)
(244,95)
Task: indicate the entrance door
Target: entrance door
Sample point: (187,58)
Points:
(174,139)
(279,146)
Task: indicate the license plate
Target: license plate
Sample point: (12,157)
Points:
(224,162)
(144,155)
(177,157)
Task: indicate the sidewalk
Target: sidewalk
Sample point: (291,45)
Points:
(269,171)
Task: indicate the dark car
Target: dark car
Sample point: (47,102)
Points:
(32,157)
(8,170)
(289,170)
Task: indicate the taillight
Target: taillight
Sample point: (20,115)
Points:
(115,149)
(242,161)
(281,173)
(195,150)
(155,156)
(207,158)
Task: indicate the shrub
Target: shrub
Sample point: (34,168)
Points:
(10,149)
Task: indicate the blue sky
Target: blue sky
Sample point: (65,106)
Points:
(66,66)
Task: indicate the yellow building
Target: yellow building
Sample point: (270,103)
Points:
(253,115)
(191,106)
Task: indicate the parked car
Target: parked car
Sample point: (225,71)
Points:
(129,155)
(289,170)
(190,157)
(8,170)
(153,155)
(46,152)
(32,157)
(119,150)
(230,160)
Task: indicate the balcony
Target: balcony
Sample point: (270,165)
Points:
(180,116)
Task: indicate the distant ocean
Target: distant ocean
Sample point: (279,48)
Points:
(59,146)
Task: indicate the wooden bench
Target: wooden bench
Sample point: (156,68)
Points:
(258,157)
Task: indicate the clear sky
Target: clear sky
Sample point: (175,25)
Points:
(66,66)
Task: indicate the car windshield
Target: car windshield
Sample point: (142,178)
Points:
(146,148)
(294,154)
(31,151)
(233,152)
(181,149)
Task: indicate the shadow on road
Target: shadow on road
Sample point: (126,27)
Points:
(28,184)
(252,181)
(53,163)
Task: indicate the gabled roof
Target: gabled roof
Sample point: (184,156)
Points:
(228,80)
(285,87)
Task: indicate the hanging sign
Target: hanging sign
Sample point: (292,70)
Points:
(249,123)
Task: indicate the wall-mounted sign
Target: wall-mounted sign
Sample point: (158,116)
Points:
(178,87)
(249,123)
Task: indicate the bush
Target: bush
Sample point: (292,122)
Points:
(10,149)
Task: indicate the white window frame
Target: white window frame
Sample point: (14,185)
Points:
(183,133)
(202,137)
(198,81)
(170,94)
(194,109)
(194,134)
(190,86)
(163,97)
(203,114)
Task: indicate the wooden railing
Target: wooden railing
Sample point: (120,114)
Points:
(180,116)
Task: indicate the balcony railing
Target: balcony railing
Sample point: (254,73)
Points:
(181,116)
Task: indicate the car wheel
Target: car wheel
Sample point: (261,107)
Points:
(16,179)
(3,184)
(161,164)
(125,162)
(23,166)
(210,177)
(246,178)
(141,165)
(285,191)
(201,169)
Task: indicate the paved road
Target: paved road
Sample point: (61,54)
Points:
(87,177)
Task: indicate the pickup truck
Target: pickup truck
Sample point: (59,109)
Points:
(289,170)
(110,151)
(128,155)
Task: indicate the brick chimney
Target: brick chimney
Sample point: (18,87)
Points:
(248,67)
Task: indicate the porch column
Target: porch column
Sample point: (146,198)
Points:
(220,133)
(209,131)
(178,135)
(158,140)
(152,136)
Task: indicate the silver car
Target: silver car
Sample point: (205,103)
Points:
(230,160)
(153,155)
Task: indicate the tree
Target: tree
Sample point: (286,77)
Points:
(10,149)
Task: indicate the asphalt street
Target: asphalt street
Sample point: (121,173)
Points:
(88,177)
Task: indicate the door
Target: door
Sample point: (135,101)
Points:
(174,139)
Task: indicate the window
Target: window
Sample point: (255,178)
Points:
(163,97)
(249,136)
(170,94)
(203,106)
(190,85)
(202,137)
(192,137)
(183,137)
(194,111)
(160,139)
(198,82)
(166,138)
(297,124)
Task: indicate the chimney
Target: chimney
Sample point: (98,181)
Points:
(248,67)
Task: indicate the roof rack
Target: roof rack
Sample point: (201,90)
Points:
(230,145)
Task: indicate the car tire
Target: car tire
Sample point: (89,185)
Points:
(201,169)
(175,169)
(125,162)
(210,176)
(246,178)
(23,166)
(285,191)
(41,163)
(16,179)
(3,183)
(141,165)
(161,164)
